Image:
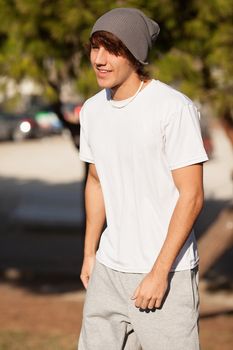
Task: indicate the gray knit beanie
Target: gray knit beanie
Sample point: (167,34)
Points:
(132,27)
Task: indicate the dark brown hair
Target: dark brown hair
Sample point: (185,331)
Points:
(116,47)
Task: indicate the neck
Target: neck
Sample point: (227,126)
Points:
(127,89)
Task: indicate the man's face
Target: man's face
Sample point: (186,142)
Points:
(111,70)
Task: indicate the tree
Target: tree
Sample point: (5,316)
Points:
(45,40)
(199,59)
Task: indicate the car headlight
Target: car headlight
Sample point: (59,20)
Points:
(25,126)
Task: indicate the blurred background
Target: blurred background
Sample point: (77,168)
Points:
(45,77)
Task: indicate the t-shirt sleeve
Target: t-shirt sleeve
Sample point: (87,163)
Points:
(183,140)
(85,152)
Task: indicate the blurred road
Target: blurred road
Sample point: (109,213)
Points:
(218,182)
(41,206)
(47,175)
(218,185)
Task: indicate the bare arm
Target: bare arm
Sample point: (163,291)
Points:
(95,218)
(188,181)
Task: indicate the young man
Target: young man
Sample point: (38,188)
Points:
(142,140)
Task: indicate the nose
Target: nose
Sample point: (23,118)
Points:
(101,56)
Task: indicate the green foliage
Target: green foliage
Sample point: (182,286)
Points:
(179,69)
(87,82)
(45,40)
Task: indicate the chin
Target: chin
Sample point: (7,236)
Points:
(104,84)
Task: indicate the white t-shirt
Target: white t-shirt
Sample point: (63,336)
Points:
(134,149)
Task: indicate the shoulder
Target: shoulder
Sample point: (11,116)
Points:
(171,97)
(94,101)
(92,105)
(174,104)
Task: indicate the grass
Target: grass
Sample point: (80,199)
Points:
(21,340)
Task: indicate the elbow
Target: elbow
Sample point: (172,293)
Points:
(195,199)
(199,202)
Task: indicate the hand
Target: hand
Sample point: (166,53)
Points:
(88,264)
(151,290)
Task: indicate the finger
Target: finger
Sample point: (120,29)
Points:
(144,304)
(138,302)
(135,295)
(151,304)
(158,302)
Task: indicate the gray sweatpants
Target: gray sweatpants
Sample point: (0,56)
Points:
(112,322)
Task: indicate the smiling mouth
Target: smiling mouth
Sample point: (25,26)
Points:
(103,70)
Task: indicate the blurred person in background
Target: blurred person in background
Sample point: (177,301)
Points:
(143,144)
